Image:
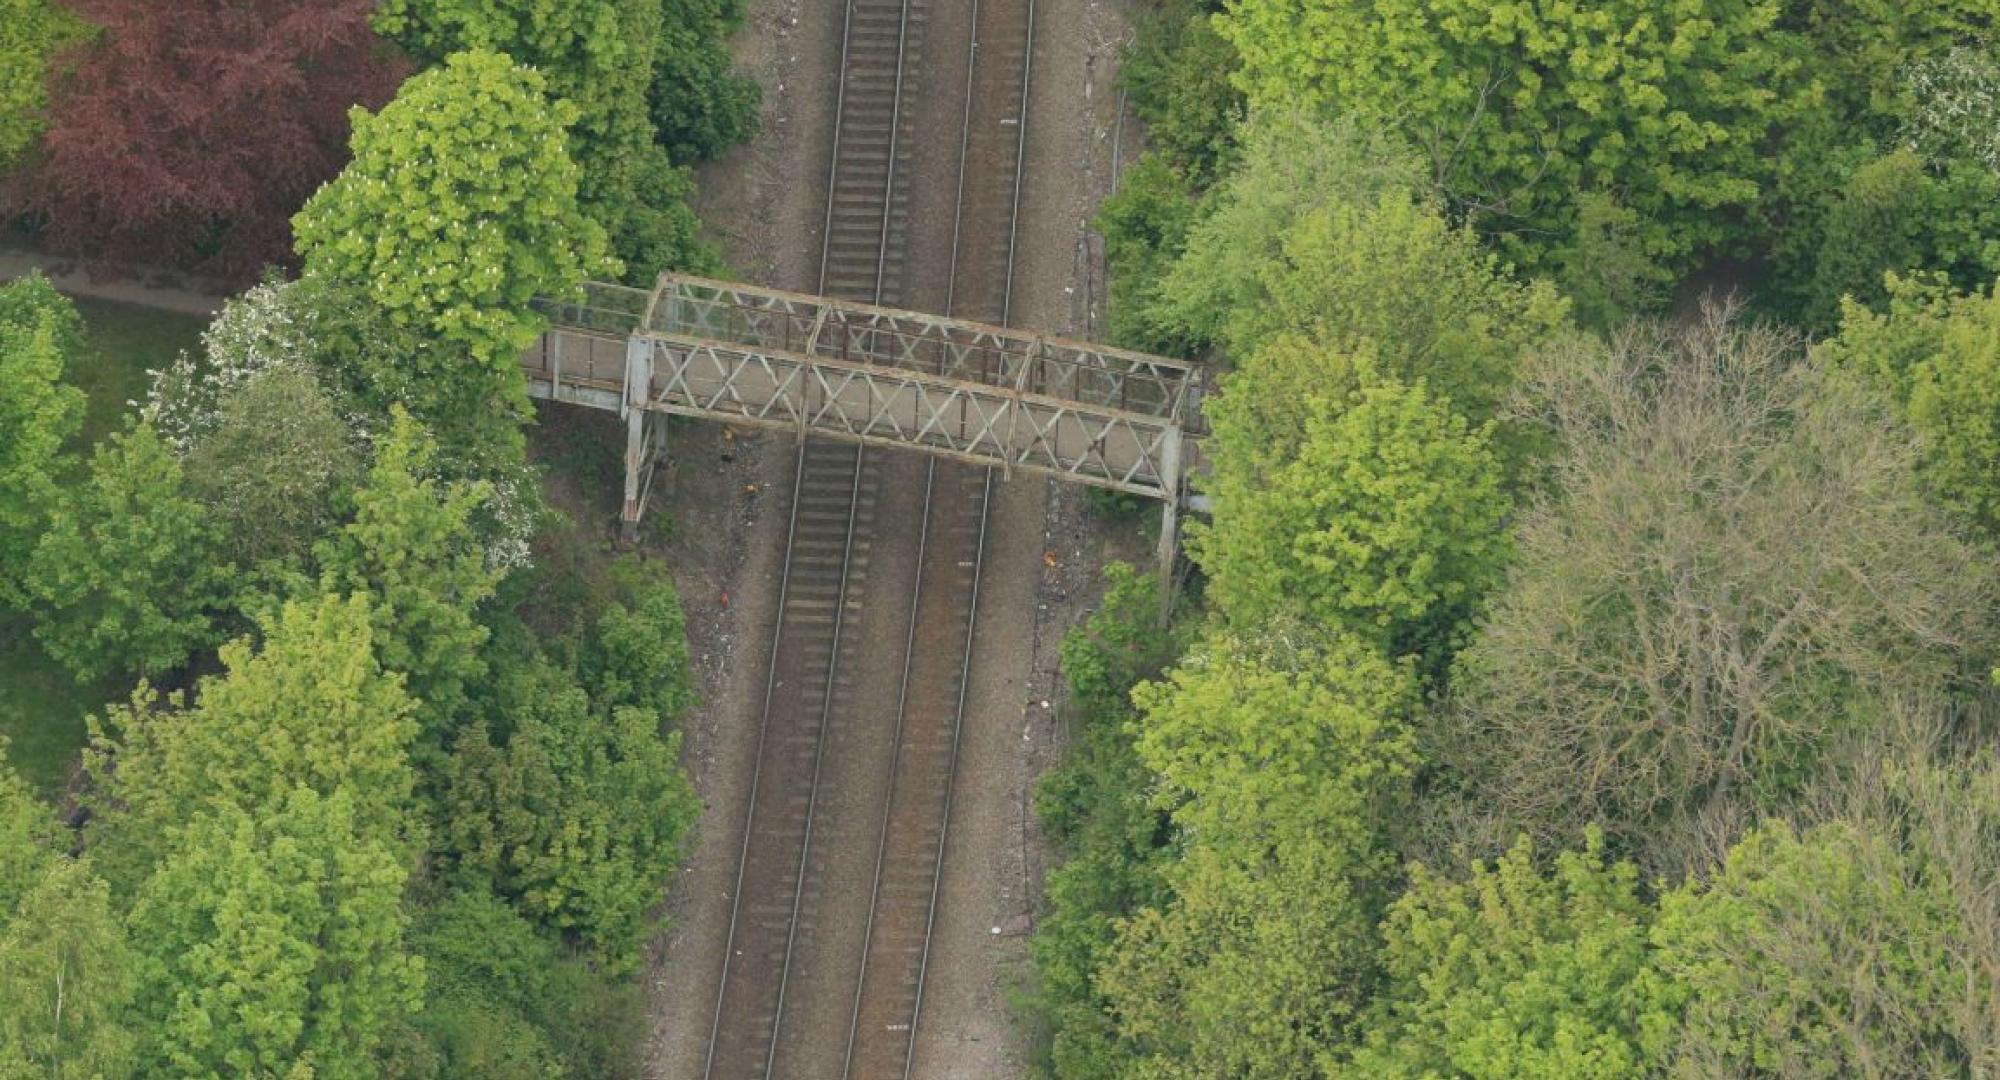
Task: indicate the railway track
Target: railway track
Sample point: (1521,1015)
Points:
(779,899)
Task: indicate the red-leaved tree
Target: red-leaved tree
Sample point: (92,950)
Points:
(190,131)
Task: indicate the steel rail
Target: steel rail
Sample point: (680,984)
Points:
(978,564)
(895,753)
(838,617)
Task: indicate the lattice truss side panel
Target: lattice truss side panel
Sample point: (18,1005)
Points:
(872,404)
(981,393)
(1080,372)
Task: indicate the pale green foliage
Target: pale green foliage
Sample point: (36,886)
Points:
(1512,974)
(274,465)
(1281,760)
(130,570)
(273,943)
(1735,566)
(410,546)
(38,330)
(25,826)
(1277,733)
(66,975)
(1516,107)
(1937,353)
(599,57)
(580,815)
(1291,168)
(307,707)
(1383,518)
(1831,954)
(32,33)
(459,208)
(1254,970)
(67,978)
(1317,240)
(32,301)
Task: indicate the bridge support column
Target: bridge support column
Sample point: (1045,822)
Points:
(1170,521)
(638,385)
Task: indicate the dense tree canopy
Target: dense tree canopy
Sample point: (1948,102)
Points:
(1738,569)
(410,546)
(1383,520)
(272,943)
(601,57)
(1511,973)
(1515,107)
(460,208)
(1936,353)
(39,331)
(191,130)
(130,571)
(33,34)
(308,708)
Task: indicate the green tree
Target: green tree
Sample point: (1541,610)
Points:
(1937,354)
(459,208)
(1734,568)
(1830,953)
(67,979)
(1383,519)
(1281,762)
(26,825)
(1292,167)
(32,301)
(1098,808)
(637,654)
(1245,735)
(1517,107)
(273,470)
(580,815)
(1605,270)
(273,944)
(506,1001)
(307,707)
(601,58)
(32,34)
(38,333)
(1145,225)
(1255,969)
(1513,973)
(411,547)
(700,107)
(130,572)
(1177,71)
(1877,224)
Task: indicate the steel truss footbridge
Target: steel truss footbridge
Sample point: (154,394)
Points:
(855,372)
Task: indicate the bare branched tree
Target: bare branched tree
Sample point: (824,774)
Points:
(1732,567)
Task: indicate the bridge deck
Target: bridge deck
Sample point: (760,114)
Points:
(861,373)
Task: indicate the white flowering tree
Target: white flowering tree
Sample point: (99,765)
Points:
(1956,113)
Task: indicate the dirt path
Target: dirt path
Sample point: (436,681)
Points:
(160,290)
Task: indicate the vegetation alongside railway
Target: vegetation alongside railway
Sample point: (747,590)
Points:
(1580,690)
(396,789)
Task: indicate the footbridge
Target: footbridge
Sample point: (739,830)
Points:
(834,369)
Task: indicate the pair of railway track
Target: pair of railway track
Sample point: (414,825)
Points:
(839,510)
